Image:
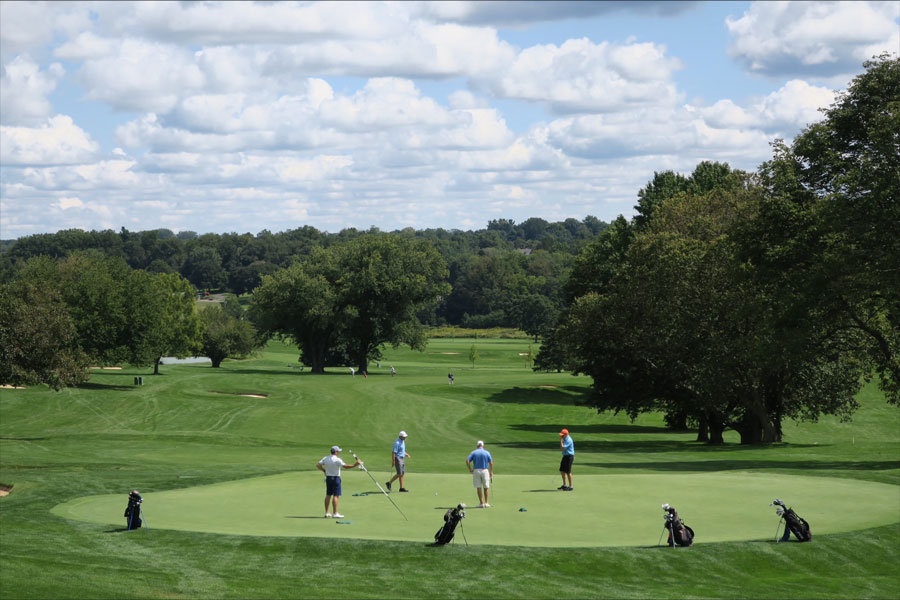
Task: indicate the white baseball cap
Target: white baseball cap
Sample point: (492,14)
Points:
(403,434)
(480,444)
(336,449)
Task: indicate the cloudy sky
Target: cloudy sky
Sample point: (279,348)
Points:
(220,117)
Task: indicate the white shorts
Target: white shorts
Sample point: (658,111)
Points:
(481,478)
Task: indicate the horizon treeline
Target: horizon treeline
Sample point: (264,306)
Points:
(506,275)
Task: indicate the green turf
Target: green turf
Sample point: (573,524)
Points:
(189,431)
(290,504)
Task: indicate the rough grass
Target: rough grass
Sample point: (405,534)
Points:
(185,428)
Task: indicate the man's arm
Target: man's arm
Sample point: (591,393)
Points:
(491,469)
(468,466)
(320,467)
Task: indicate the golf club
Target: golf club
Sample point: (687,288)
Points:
(363,467)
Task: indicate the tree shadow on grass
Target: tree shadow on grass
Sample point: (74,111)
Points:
(650,446)
(565,395)
(598,428)
(106,386)
(746,465)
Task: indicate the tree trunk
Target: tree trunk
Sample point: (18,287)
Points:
(156,365)
(755,427)
(216,362)
(702,429)
(716,429)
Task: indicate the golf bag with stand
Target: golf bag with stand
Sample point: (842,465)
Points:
(679,533)
(452,518)
(793,523)
(133,510)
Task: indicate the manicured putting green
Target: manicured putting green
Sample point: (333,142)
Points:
(611,510)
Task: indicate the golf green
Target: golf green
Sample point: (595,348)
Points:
(603,510)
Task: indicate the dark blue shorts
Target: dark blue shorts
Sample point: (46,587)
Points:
(332,486)
(565,465)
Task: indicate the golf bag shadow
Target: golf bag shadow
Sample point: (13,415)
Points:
(679,533)
(793,523)
(452,518)
(133,510)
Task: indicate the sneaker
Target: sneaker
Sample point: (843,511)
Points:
(486,505)
(387,484)
(569,489)
(404,490)
(562,487)
(481,506)
(338,516)
(327,515)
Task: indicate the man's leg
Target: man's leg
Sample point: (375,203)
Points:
(327,502)
(334,503)
(480,496)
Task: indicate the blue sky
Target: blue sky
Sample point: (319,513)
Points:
(221,117)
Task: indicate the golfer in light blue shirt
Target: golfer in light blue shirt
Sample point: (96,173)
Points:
(481,465)
(568,457)
(398,461)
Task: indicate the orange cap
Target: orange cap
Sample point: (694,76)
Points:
(564,432)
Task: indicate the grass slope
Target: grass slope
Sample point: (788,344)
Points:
(192,427)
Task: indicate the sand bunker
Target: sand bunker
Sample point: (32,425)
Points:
(5,489)
(11,387)
(239,394)
(108,368)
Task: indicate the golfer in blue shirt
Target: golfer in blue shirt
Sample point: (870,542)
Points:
(568,457)
(481,465)
(398,461)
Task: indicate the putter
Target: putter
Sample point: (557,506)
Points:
(363,467)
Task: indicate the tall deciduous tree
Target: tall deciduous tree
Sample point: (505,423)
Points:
(301,303)
(38,343)
(827,233)
(352,297)
(384,281)
(225,336)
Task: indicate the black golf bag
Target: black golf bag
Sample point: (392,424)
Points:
(133,510)
(452,518)
(793,523)
(679,533)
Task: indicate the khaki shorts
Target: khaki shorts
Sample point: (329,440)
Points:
(481,478)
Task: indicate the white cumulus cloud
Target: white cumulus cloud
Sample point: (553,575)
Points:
(57,142)
(813,38)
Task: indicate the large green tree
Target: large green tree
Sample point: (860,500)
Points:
(38,342)
(226,336)
(827,231)
(350,298)
(384,281)
(301,303)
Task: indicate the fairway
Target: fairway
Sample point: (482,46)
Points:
(611,510)
(225,460)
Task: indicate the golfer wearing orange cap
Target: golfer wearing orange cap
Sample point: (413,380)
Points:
(568,457)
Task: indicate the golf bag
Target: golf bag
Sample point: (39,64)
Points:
(793,523)
(133,510)
(679,533)
(452,518)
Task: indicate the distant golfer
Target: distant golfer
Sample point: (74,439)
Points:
(331,466)
(568,457)
(393,371)
(450,378)
(481,465)
(398,461)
